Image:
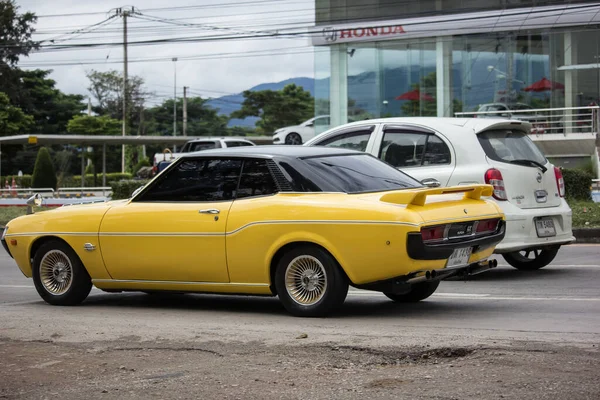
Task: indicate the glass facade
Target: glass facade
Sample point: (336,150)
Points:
(439,76)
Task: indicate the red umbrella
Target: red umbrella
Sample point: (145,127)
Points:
(415,95)
(542,85)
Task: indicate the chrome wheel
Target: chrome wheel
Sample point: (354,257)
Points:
(56,272)
(306,280)
(293,139)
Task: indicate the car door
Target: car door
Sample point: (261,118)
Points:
(419,152)
(359,138)
(174,230)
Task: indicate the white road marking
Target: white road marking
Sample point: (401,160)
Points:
(16,286)
(562,265)
(484,296)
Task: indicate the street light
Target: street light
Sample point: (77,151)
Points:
(174,96)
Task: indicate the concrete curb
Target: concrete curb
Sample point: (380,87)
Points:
(587,235)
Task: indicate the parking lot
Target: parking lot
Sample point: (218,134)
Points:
(502,334)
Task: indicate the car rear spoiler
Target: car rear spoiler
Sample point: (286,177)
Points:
(417,197)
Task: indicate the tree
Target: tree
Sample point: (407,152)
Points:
(15,34)
(43,172)
(51,109)
(202,120)
(107,89)
(12,119)
(102,125)
(277,109)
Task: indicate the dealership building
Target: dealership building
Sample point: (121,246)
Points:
(371,56)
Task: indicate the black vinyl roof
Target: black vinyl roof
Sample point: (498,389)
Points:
(271,151)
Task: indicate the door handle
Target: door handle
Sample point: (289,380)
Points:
(210,211)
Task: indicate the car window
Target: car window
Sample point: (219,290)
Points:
(508,145)
(436,152)
(402,149)
(256,180)
(201,179)
(359,173)
(355,140)
(198,146)
(233,143)
(496,107)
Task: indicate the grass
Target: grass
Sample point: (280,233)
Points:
(8,213)
(586,214)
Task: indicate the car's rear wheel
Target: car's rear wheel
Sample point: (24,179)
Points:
(418,292)
(293,138)
(531,259)
(59,276)
(309,282)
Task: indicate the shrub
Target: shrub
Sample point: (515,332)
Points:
(143,163)
(577,184)
(125,188)
(43,171)
(25,181)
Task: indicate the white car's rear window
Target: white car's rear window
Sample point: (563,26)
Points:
(509,145)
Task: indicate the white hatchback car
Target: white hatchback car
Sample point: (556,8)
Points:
(299,134)
(461,151)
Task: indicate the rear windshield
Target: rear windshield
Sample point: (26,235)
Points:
(507,145)
(360,173)
(198,146)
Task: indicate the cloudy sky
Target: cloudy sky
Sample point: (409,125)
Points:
(209,68)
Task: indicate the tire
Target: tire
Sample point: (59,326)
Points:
(309,282)
(59,275)
(293,139)
(418,292)
(521,259)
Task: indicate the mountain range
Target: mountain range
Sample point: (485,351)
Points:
(364,89)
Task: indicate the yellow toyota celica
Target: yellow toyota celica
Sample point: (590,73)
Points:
(301,223)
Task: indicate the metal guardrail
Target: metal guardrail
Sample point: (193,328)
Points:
(49,192)
(563,120)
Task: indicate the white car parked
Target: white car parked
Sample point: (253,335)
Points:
(460,151)
(299,134)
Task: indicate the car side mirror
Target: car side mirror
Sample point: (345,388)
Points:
(310,124)
(35,200)
(431,182)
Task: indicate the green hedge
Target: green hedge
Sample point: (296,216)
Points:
(25,180)
(577,184)
(123,189)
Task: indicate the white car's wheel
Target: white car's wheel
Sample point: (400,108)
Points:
(59,276)
(309,282)
(293,139)
(532,259)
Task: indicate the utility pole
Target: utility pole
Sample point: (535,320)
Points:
(185,110)
(174,99)
(124,13)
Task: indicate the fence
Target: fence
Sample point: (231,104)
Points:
(563,121)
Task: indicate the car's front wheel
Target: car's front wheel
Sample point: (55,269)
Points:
(418,292)
(59,275)
(531,259)
(309,282)
(293,139)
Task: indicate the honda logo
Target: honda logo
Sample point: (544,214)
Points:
(330,34)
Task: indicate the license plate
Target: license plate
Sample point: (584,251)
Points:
(545,227)
(459,257)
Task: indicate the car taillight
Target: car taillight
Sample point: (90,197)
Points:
(487,225)
(433,233)
(494,177)
(560,181)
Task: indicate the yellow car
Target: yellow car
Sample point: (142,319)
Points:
(302,223)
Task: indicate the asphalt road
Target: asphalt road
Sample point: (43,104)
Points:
(559,304)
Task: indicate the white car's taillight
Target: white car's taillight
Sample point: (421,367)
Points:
(560,182)
(494,177)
